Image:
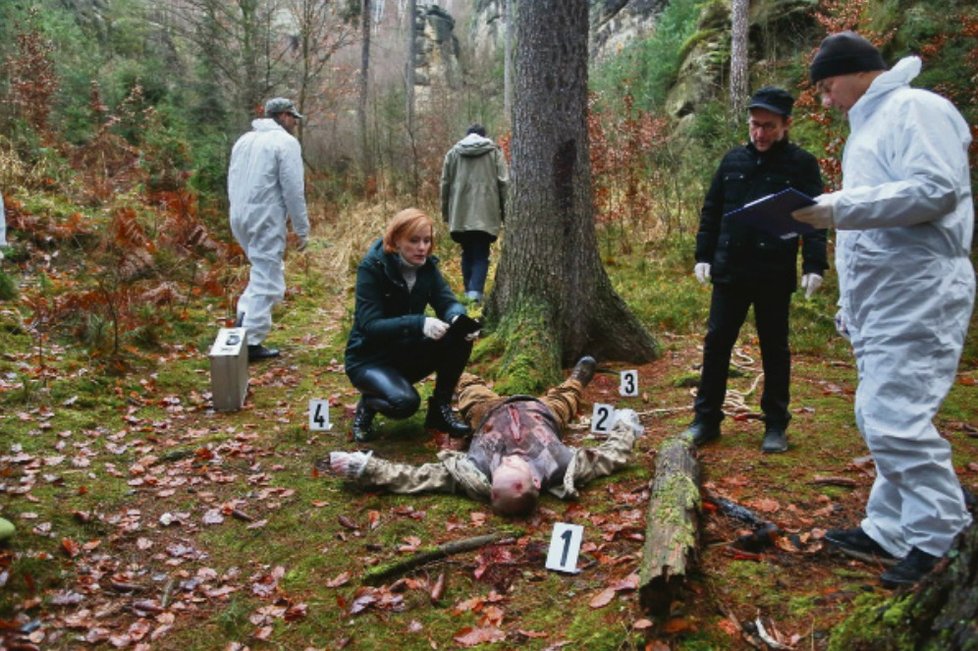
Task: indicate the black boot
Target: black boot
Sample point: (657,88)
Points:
(441,417)
(584,370)
(257,352)
(702,433)
(363,427)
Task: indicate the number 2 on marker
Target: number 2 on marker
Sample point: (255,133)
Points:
(602,418)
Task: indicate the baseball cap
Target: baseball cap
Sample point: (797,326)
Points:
(771,98)
(281,105)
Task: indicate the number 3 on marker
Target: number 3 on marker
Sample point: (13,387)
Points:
(602,418)
(319,416)
(629,383)
(565,545)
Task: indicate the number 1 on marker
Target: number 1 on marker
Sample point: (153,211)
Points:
(565,545)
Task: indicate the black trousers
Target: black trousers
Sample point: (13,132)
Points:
(388,387)
(728,310)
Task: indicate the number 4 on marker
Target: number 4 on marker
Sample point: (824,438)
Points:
(319,416)
(565,545)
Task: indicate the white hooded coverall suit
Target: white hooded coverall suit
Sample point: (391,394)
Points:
(265,184)
(905,221)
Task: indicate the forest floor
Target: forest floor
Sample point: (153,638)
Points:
(146,520)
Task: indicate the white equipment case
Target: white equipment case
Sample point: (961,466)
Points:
(229,369)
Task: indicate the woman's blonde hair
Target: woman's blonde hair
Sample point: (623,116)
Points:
(405,224)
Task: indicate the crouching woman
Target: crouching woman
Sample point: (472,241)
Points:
(393,344)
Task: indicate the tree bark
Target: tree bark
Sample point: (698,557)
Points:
(739,75)
(366,160)
(508,61)
(552,300)
(671,525)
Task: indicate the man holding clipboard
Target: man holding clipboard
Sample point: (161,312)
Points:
(752,260)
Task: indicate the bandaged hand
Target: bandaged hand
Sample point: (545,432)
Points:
(810,283)
(820,215)
(348,464)
(434,328)
(702,272)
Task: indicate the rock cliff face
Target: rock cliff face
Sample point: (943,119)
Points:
(616,23)
(436,64)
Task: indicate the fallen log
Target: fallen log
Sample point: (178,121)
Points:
(671,524)
(381,573)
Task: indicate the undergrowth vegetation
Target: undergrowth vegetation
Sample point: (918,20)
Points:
(144,517)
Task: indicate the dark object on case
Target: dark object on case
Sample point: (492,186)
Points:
(462,326)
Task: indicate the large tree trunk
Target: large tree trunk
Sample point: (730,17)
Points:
(739,76)
(940,613)
(366,160)
(552,300)
(508,61)
(671,524)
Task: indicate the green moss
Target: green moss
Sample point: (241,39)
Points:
(874,625)
(530,361)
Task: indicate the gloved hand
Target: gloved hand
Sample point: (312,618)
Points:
(349,464)
(301,245)
(810,283)
(840,325)
(820,215)
(434,328)
(702,272)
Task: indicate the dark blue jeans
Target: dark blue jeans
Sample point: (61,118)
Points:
(475,258)
(728,310)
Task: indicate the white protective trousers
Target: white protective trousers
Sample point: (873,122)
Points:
(905,222)
(265,186)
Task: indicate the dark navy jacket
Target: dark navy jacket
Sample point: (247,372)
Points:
(388,319)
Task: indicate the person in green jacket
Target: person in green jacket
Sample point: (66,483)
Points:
(393,344)
(473,202)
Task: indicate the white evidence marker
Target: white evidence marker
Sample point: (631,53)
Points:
(319,416)
(602,418)
(565,545)
(629,383)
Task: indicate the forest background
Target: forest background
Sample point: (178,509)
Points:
(115,131)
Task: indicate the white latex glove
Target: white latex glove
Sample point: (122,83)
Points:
(434,328)
(821,215)
(810,283)
(349,464)
(702,272)
(840,325)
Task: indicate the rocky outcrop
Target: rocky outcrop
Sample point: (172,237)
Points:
(616,23)
(436,63)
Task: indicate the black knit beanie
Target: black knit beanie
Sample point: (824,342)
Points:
(842,54)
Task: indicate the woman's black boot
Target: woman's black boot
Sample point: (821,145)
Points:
(363,419)
(442,418)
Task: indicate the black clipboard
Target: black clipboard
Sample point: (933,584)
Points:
(463,326)
(773,213)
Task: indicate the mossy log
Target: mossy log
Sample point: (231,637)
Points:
(671,527)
